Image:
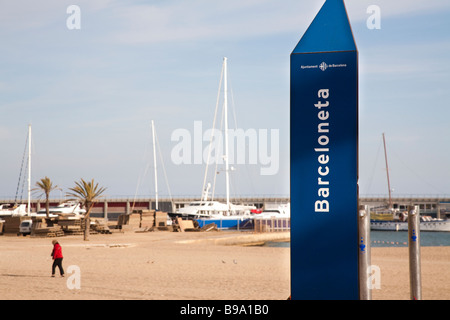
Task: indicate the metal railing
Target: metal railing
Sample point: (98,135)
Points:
(272,224)
(364,256)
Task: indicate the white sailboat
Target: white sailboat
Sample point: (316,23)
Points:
(154,162)
(225,215)
(16,210)
(21,209)
(155,144)
(399,220)
(64,208)
(282,210)
(426,224)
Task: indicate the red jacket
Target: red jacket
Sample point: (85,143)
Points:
(57,251)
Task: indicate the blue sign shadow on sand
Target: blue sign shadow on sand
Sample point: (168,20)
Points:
(324,159)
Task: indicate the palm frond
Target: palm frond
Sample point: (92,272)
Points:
(45,185)
(86,191)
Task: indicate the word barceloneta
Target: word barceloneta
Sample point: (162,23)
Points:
(323,159)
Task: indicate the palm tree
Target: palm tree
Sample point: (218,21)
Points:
(87,193)
(46,186)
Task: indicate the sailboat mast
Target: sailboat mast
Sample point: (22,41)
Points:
(154,161)
(29,170)
(225,103)
(387,172)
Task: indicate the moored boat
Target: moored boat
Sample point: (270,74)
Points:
(224,215)
(398,221)
(64,208)
(278,211)
(426,224)
(16,210)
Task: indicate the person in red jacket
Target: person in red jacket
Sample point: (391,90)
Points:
(57,257)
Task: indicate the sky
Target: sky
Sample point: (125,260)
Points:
(91,81)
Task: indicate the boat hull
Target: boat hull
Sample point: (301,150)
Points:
(437,226)
(227,222)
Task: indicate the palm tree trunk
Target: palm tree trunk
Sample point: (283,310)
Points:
(87,221)
(47,207)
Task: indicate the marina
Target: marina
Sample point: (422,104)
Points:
(110,208)
(279,196)
(435,206)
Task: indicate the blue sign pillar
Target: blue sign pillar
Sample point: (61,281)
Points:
(324,159)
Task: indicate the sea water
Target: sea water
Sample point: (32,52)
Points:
(391,239)
(400,239)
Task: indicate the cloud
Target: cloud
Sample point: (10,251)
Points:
(137,22)
(193,20)
(5,133)
(406,59)
(201,19)
(169,20)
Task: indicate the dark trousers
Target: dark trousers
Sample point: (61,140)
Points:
(57,262)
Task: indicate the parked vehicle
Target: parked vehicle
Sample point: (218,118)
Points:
(25,227)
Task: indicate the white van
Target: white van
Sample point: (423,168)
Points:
(25,227)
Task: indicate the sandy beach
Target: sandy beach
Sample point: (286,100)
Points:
(153,265)
(394,266)
(186,266)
